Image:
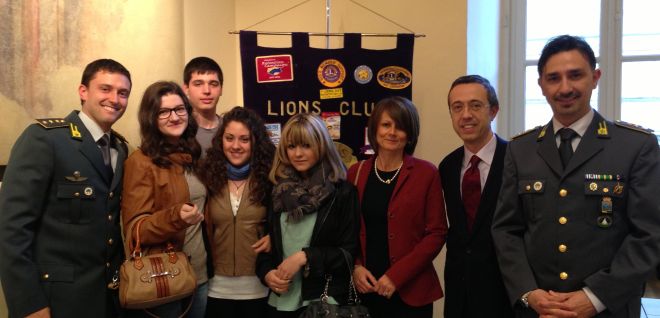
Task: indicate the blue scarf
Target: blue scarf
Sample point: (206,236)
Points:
(238,173)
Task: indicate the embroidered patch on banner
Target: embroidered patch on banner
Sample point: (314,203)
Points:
(331,73)
(363,74)
(274,68)
(331,93)
(394,77)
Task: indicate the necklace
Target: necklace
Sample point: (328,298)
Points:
(238,186)
(388,181)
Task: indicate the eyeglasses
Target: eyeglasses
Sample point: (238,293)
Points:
(165,113)
(476,107)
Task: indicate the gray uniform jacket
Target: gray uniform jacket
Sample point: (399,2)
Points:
(60,240)
(595,223)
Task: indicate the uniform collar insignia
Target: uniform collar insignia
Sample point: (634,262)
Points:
(542,133)
(602,130)
(75,133)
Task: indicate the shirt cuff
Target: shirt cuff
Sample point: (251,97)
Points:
(594,300)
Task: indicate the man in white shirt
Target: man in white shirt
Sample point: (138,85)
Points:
(473,283)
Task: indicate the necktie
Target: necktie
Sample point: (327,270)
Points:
(566,136)
(471,191)
(104,144)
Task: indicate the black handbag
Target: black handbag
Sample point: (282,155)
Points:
(322,309)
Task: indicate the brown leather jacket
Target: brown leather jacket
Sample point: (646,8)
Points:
(230,236)
(157,194)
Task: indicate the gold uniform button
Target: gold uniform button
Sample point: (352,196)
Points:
(110,241)
(109,217)
(77,194)
(107,265)
(563,192)
(563,220)
(111,195)
(528,187)
(562,248)
(46,276)
(563,276)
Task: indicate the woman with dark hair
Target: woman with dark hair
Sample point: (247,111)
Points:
(236,171)
(403,224)
(314,225)
(161,187)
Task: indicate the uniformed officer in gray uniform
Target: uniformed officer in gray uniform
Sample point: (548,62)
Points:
(577,224)
(60,240)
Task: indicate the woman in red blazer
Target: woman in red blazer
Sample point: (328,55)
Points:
(403,224)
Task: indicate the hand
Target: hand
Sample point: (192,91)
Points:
(385,287)
(262,245)
(292,264)
(41,313)
(276,283)
(577,302)
(364,281)
(550,305)
(190,214)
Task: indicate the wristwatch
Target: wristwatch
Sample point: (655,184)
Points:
(524,299)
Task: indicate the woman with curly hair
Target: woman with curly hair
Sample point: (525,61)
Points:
(236,171)
(161,188)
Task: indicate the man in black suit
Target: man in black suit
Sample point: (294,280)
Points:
(60,238)
(471,177)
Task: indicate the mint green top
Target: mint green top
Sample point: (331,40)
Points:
(295,237)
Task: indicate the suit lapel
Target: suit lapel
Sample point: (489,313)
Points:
(548,149)
(453,178)
(403,175)
(88,147)
(590,144)
(491,188)
(122,154)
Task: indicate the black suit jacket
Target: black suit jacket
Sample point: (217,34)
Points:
(473,283)
(60,239)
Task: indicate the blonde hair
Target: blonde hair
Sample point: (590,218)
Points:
(307,129)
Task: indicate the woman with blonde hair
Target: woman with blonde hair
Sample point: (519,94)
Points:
(314,225)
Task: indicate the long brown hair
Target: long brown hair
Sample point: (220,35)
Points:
(154,144)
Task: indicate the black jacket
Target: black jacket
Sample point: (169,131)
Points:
(473,281)
(337,225)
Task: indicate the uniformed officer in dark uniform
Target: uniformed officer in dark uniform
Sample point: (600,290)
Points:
(577,225)
(60,241)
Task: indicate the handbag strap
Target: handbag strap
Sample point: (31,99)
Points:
(357,175)
(351,286)
(192,298)
(137,251)
(352,292)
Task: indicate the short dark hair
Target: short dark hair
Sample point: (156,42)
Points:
(202,65)
(565,43)
(477,79)
(108,65)
(153,143)
(405,116)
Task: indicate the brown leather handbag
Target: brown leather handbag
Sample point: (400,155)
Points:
(146,281)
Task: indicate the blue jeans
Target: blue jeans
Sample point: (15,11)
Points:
(198,307)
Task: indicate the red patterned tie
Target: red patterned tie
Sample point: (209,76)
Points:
(471,191)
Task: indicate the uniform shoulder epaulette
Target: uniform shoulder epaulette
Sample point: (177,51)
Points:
(633,127)
(526,132)
(50,123)
(118,135)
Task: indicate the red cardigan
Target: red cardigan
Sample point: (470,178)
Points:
(417,228)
